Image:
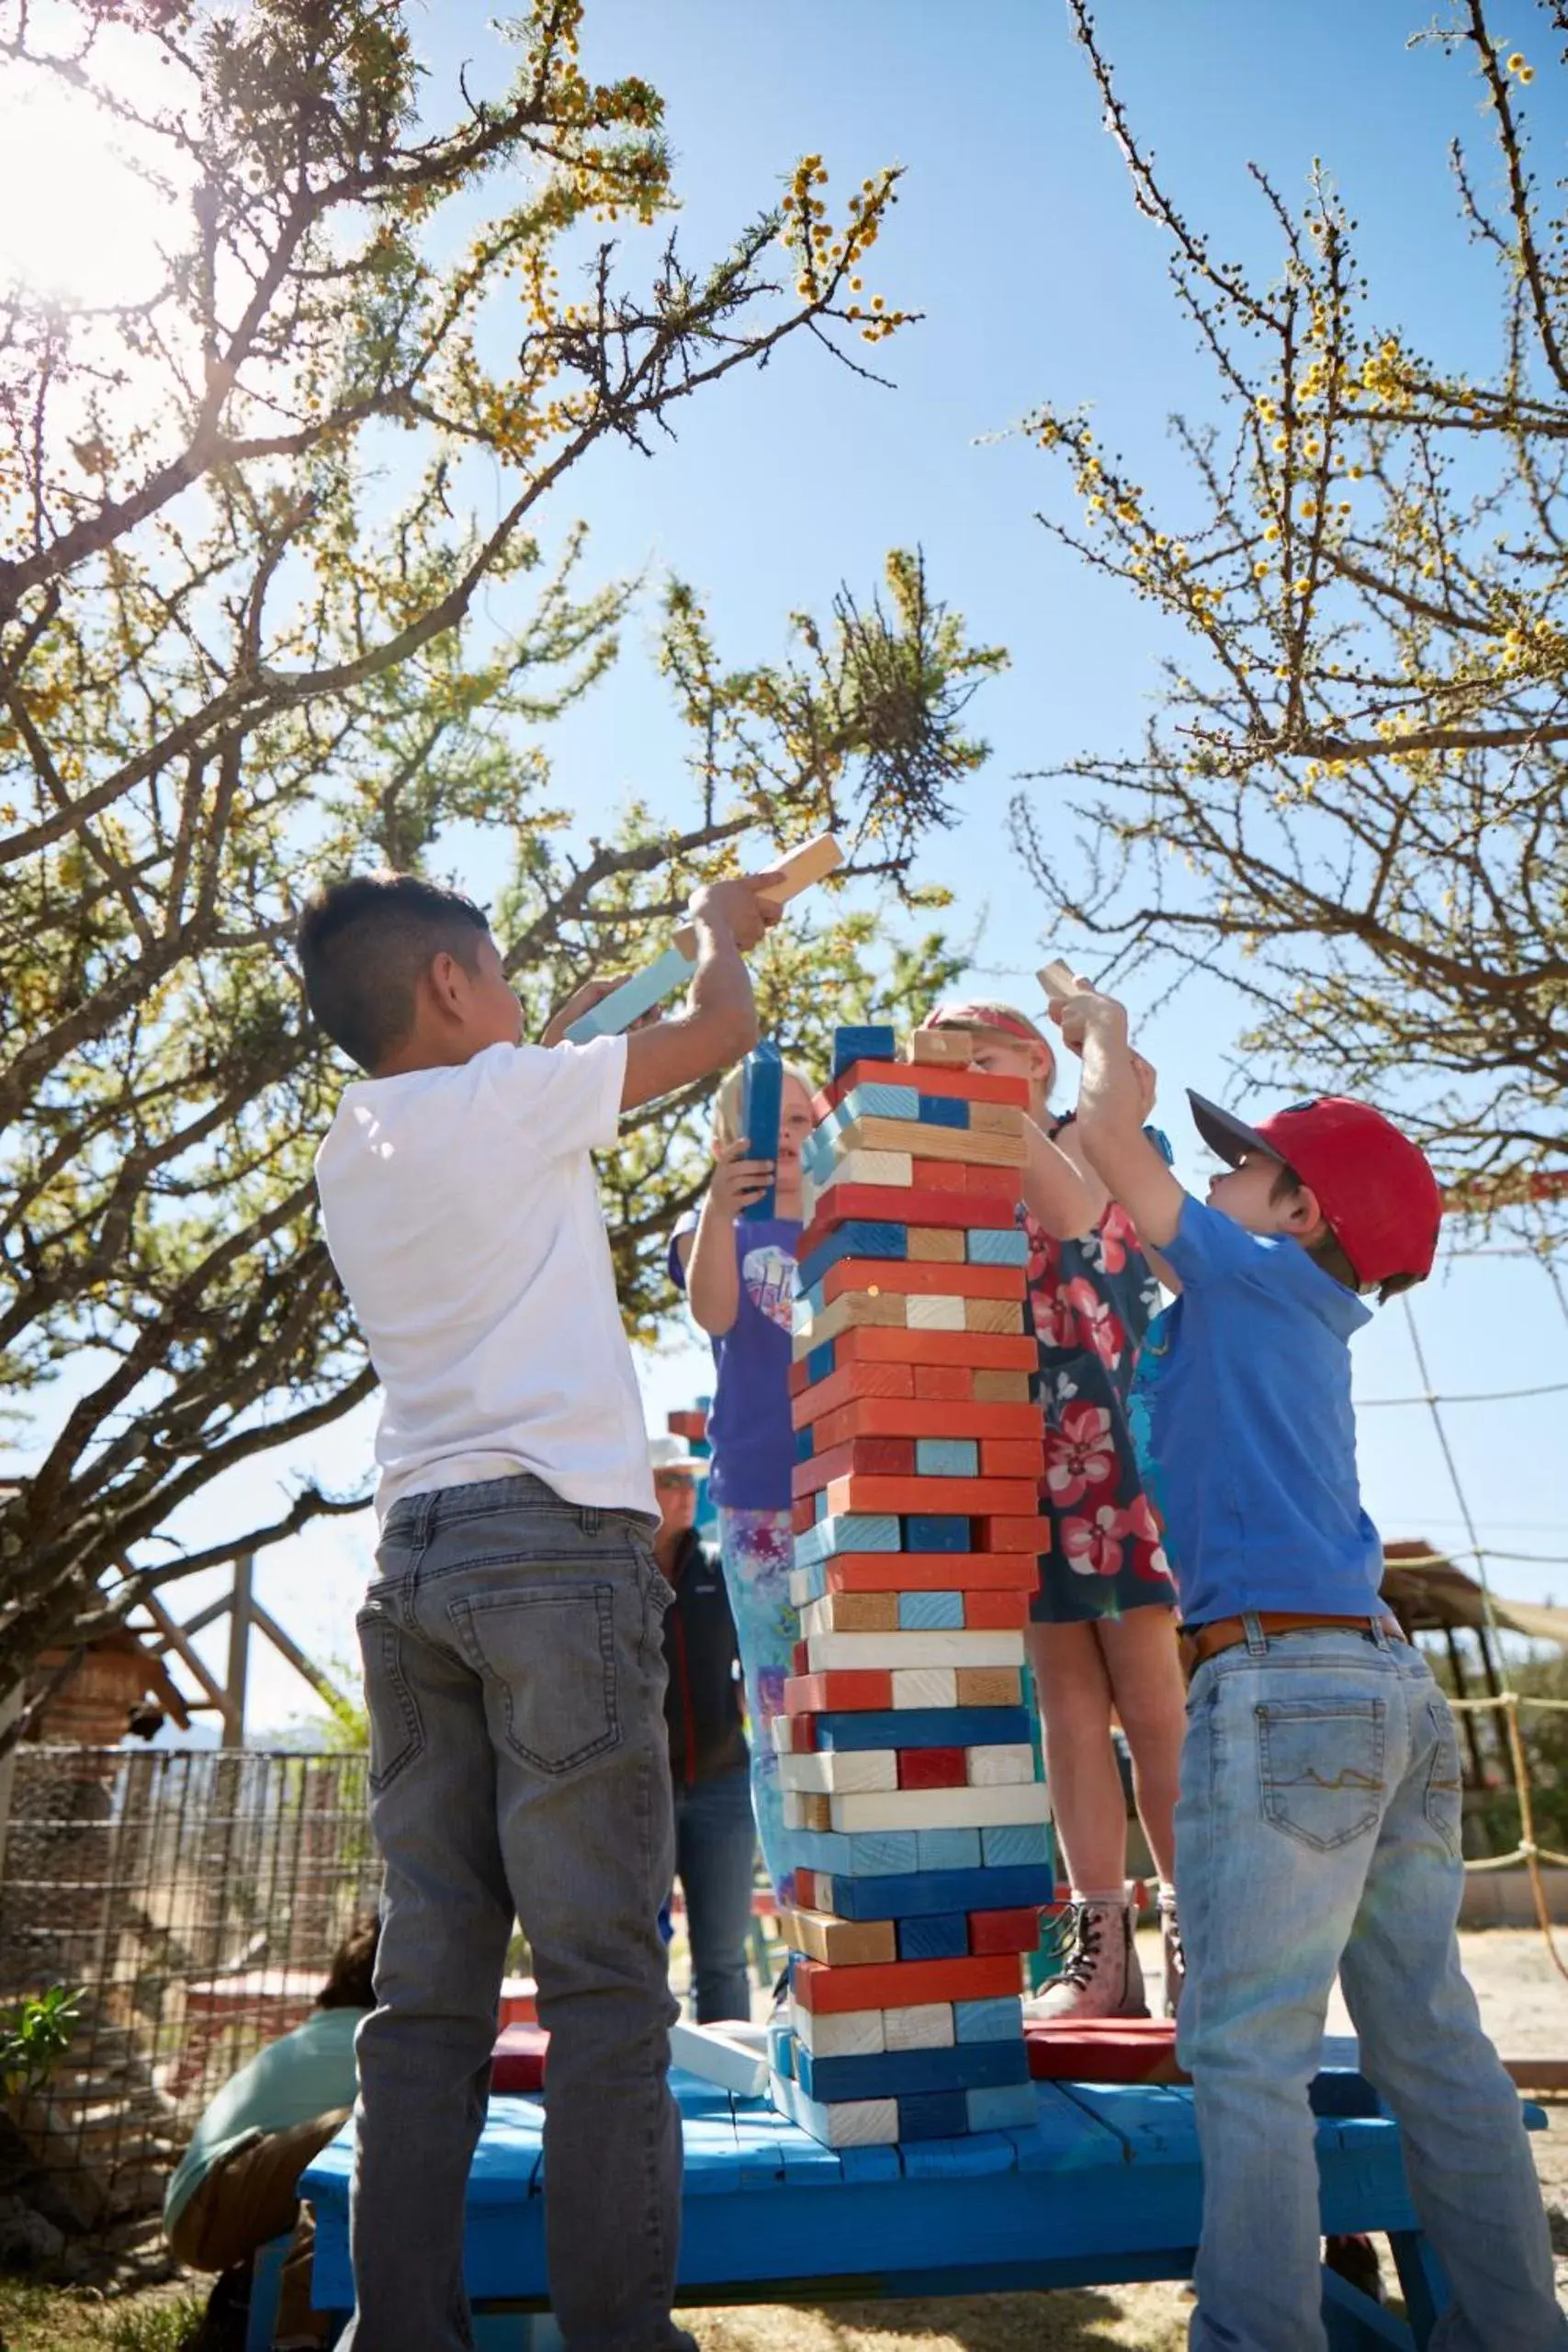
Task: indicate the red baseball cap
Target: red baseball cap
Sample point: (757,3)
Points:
(1373,1185)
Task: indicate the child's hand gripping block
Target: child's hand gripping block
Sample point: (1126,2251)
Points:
(812,862)
(761,1101)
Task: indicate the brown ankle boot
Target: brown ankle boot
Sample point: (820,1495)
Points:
(1103,1976)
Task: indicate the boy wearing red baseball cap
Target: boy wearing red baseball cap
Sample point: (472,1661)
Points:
(1318,1823)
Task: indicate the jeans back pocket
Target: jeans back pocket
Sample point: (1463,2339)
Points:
(397,1730)
(547,1656)
(1321,1768)
(1444,1793)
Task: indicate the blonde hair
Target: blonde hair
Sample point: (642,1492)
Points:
(726,1105)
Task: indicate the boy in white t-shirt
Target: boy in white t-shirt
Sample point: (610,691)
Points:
(514,1663)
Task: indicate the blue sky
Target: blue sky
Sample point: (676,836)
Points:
(1016,234)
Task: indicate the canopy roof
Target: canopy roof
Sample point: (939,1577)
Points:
(1429,1595)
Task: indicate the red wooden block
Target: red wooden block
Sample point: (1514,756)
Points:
(687,1424)
(996,1184)
(950,1383)
(881,1457)
(992,1931)
(978,1350)
(799,1377)
(968,1085)
(902,1276)
(803,1516)
(932,1767)
(1103,2050)
(942,1176)
(806,1890)
(996,1613)
(950,1495)
(849,1383)
(899,1205)
(852,1689)
(932,1572)
(517,2061)
(1011,1534)
(800,1662)
(994,1425)
(902,1984)
(803,1736)
(1004,1456)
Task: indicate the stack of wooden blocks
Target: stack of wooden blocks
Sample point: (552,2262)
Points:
(916,1811)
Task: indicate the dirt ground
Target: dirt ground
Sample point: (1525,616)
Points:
(1524,2003)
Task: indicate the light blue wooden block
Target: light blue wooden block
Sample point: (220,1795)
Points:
(948,1850)
(1001,2107)
(852,1532)
(617,1011)
(930,1612)
(996,2020)
(1027,1842)
(862,1853)
(947,1457)
(879,1101)
(819,1503)
(998,1245)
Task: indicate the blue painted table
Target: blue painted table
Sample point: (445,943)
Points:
(1104,2189)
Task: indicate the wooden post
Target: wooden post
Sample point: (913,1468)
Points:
(10,1708)
(239,1649)
(1472,1728)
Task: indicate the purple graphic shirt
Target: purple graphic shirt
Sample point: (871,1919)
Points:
(750,1427)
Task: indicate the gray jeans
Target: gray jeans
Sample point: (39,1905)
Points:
(514,1677)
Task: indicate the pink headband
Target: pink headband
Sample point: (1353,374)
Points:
(985,1016)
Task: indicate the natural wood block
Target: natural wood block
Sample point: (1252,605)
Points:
(1013,1457)
(926,2025)
(1006,1807)
(840,1943)
(937,1245)
(932,1767)
(836,1772)
(952,1280)
(955,1649)
(988,1686)
(806,1812)
(856,1311)
(945,1497)
(989,1768)
(922,1313)
(851,1612)
(998,1387)
(991,1314)
(973,1146)
(939,1048)
(847,2033)
(996,1118)
(928,1686)
(905,1984)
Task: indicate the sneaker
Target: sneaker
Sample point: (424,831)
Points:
(1103,1976)
(1174,1955)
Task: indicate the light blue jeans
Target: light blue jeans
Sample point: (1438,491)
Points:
(1318,1830)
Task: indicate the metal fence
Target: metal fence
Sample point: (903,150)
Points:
(195,1897)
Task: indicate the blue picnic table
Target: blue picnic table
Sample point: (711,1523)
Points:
(1105,2189)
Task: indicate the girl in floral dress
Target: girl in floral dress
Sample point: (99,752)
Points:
(1102,1639)
(738,1276)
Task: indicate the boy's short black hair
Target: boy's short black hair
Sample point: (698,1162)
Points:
(363,943)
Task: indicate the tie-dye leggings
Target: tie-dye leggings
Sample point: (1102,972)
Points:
(758,1550)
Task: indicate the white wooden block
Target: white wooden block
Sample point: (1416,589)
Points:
(717,2056)
(922,1313)
(853,2033)
(825,1892)
(870,1167)
(926,2025)
(993,1768)
(1001,1808)
(848,2123)
(925,1686)
(783,1733)
(794,1809)
(826,1651)
(841,1772)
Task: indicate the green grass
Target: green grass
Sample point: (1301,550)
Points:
(54,2319)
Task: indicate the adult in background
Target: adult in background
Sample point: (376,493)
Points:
(237,2184)
(716,1838)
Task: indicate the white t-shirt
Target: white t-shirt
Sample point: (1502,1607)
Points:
(463,1218)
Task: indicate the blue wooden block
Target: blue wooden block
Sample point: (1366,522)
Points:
(854,1854)
(819,1362)
(852,1531)
(927,1727)
(969,1890)
(897,2074)
(804,1444)
(809,1301)
(870,1041)
(995,1245)
(781,2050)
(944,1111)
(880,1100)
(949,1850)
(997,2020)
(947,1457)
(820,1504)
(761,1103)
(817,1154)
(1027,1842)
(930,1612)
(1002,2106)
(925,1531)
(936,1935)
(859,1237)
(934,2115)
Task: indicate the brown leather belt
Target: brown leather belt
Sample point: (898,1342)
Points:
(1202,1642)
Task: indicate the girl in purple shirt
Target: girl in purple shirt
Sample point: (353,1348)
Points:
(738,1275)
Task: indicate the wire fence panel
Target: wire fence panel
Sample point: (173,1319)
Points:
(194,1897)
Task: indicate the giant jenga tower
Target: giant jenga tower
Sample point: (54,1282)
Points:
(917,1819)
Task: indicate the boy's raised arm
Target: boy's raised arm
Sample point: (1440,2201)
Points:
(1110,1114)
(719,1024)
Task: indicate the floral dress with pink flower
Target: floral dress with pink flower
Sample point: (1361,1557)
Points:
(1091,1301)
